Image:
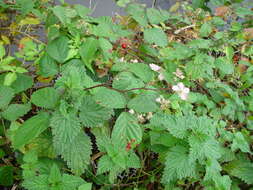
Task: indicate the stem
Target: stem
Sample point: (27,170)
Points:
(128,90)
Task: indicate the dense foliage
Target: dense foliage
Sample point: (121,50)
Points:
(152,100)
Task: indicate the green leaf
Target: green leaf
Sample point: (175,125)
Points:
(47,66)
(138,13)
(6,175)
(178,165)
(30,129)
(37,183)
(239,142)
(177,126)
(156,36)
(60,12)
(46,97)
(203,146)
(126,80)
(54,175)
(110,98)
(70,182)
(6,95)
(87,52)
(205,29)
(76,153)
(86,186)
(58,49)
(126,129)
(226,67)
(10,78)
(122,3)
(156,16)
(142,71)
(65,129)
(81,10)
(93,114)
(2,51)
(144,102)
(15,111)
(22,83)
(106,47)
(242,169)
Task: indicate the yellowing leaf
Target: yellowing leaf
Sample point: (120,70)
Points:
(5,39)
(29,20)
(44,79)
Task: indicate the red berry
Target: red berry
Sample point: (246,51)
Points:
(124,46)
(21,46)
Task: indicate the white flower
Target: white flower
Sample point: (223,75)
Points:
(161,77)
(131,111)
(149,115)
(134,60)
(159,99)
(181,90)
(141,118)
(179,74)
(155,67)
(122,59)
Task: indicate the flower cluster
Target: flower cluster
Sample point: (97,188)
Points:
(181,90)
(164,103)
(158,69)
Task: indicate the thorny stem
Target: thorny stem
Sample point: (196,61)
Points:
(23,33)
(128,90)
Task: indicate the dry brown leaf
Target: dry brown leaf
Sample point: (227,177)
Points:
(248,33)
(221,11)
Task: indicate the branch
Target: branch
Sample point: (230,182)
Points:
(128,90)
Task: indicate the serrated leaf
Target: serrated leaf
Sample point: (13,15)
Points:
(81,10)
(110,98)
(138,13)
(156,16)
(22,83)
(87,52)
(37,183)
(14,111)
(76,153)
(46,97)
(93,114)
(70,182)
(6,95)
(205,29)
(126,80)
(30,129)
(47,66)
(156,36)
(58,49)
(105,164)
(54,175)
(239,142)
(60,12)
(202,147)
(142,71)
(6,175)
(126,129)
(144,102)
(65,129)
(242,169)
(86,186)
(178,165)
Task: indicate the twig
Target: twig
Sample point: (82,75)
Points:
(23,33)
(128,90)
(184,28)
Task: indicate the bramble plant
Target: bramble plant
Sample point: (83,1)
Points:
(155,99)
